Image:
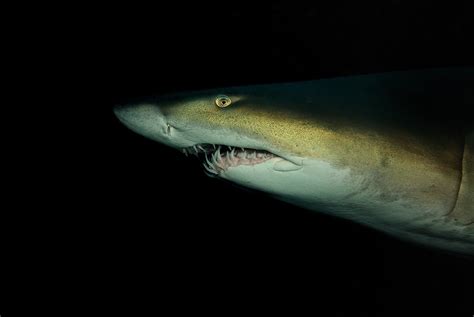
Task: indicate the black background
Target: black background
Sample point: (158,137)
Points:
(204,245)
(144,227)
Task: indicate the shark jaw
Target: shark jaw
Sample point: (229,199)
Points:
(218,159)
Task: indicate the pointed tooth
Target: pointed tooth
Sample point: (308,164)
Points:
(227,156)
(207,160)
(232,153)
(214,146)
(209,164)
(210,174)
(218,159)
(209,169)
(201,148)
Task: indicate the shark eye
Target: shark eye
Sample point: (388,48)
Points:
(223,101)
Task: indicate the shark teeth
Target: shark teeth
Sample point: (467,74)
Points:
(218,158)
(209,166)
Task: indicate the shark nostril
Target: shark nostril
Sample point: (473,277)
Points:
(170,129)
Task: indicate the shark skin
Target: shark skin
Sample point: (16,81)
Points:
(392,151)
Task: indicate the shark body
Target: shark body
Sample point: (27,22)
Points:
(393,151)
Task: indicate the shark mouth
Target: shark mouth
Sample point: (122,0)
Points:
(216,159)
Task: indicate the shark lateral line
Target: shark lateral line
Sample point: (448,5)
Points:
(393,151)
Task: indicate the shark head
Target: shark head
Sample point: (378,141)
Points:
(239,134)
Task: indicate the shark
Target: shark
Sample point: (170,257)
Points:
(393,151)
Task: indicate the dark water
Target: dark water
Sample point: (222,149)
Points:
(155,234)
(204,245)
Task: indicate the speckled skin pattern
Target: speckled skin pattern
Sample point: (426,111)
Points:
(403,133)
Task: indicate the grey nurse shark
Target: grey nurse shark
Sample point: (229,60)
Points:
(392,151)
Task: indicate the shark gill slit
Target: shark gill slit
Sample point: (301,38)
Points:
(461,165)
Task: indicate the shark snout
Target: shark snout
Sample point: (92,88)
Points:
(133,114)
(144,119)
(121,112)
(148,120)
